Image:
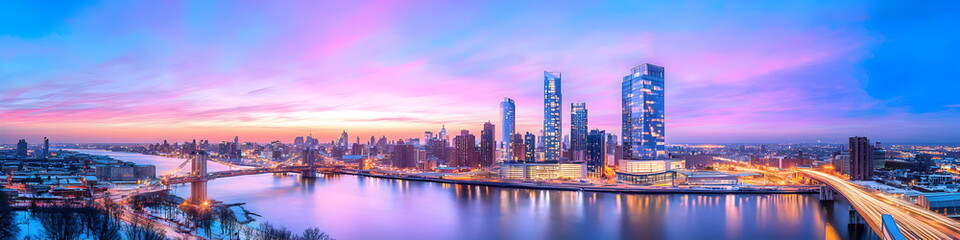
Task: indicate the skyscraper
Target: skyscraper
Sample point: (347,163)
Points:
(643,113)
(22,148)
(46,148)
(488,146)
(508,124)
(443,134)
(552,112)
(861,158)
(596,152)
(344,139)
(578,130)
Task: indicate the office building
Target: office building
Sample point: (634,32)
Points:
(578,131)
(596,154)
(46,148)
(22,148)
(879,156)
(542,171)
(552,115)
(643,113)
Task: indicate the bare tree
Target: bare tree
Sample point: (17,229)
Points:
(59,223)
(99,224)
(228,222)
(142,230)
(267,231)
(313,234)
(8,220)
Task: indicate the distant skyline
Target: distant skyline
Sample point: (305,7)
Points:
(736,72)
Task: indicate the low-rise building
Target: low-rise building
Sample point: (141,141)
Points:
(543,171)
(943,203)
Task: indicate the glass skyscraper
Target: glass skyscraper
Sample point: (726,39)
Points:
(578,127)
(508,124)
(552,112)
(643,113)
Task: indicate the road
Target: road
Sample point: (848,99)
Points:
(914,221)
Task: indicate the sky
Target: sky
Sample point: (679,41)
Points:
(736,71)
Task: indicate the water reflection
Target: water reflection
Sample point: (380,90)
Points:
(352,207)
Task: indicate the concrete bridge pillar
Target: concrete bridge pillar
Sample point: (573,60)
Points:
(198,187)
(826,193)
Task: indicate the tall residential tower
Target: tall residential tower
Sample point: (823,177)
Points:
(578,130)
(508,125)
(552,112)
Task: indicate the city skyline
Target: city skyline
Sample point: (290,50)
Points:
(762,73)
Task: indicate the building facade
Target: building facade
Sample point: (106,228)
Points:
(578,131)
(643,113)
(552,115)
(596,154)
(518,150)
(465,150)
(488,146)
(861,158)
(508,125)
(530,141)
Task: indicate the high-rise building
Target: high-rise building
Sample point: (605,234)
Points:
(427,135)
(22,148)
(552,115)
(488,146)
(643,113)
(465,150)
(596,152)
(404,155)
(517,148)
(298,141)
(861,158)
(436,148)
(578,130)
(508,124)
(530,141)
(443,134)
(344,140)
(46,147)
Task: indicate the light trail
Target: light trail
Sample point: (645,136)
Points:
(914,221)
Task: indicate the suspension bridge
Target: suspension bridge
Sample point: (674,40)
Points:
(305,163)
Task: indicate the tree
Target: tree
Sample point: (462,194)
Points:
(267,231)
(59,222)
(8,220)
(313,234)
(99,224)
(142,230)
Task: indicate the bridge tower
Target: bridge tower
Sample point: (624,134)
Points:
(309,158)
(198,187)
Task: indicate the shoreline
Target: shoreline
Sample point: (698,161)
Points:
(618,190)
(536,186)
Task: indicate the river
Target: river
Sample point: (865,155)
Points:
(354,207)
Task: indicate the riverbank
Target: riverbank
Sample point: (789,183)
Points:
(594,188)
